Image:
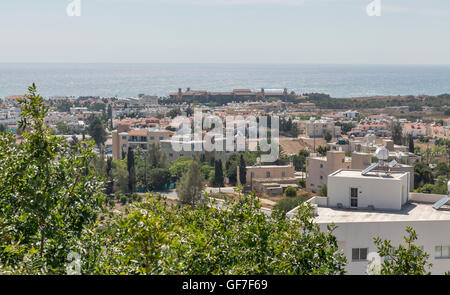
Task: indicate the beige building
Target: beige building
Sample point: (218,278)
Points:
(271,179)
(135,138)
(318,128)
(318,168)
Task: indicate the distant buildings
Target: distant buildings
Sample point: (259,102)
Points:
(414,129)
(236,94)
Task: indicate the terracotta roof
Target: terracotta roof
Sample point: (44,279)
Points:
(138,132)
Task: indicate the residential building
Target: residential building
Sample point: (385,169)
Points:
(270,179)
(318,128)
(318,168)
(134,138)
(364,206)
(415,129)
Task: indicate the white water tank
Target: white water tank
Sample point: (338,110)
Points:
(382,153)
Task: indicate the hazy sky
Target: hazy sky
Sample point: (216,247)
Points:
(226,31)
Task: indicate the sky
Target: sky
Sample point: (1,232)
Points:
(226,31)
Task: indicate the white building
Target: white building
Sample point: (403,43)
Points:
(351,189)
(350,115)
(377,204)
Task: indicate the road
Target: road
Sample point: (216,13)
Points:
(220,203)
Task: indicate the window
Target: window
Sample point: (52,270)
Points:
(124,145)
(124,137)
(252,174)
(152,137)
(268,174)
(283,174)
(321,177)
(161,138)
(442,252)
(353,197)
(359,254)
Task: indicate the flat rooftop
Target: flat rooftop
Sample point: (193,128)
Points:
(412,211)
(373,174)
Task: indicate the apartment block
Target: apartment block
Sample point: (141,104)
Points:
(134,138)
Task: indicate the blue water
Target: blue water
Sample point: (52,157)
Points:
(128,80)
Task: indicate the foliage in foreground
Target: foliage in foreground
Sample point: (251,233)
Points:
(48,194)
(237,238)
(407,259)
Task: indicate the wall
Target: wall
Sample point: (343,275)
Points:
(368,191)
(360,235)
(425,198)
(275,172)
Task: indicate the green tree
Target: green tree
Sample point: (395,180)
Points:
(410,143)
(327,136)
(180,166)
(47,199)
(290,192)
(62,127)
(154,239)
(110,117)
(218,180)
(97,131)
(109,177)
(157,157)
(323,191)
(397,133)
(159,177)
(131,171)
(299,160)
(322,150)
(2,128)
(120,175)
(174,113)
(406,259)
(422,175)
(190,186)
(242,170)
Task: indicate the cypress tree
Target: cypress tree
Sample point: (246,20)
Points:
(131,171)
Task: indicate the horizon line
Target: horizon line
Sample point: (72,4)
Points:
(238,63)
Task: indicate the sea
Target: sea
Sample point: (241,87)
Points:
(129,80)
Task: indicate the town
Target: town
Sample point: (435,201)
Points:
(371,165)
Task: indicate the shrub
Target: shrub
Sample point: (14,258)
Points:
(323,191)
(291,191)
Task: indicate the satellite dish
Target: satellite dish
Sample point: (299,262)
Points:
(382,153)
